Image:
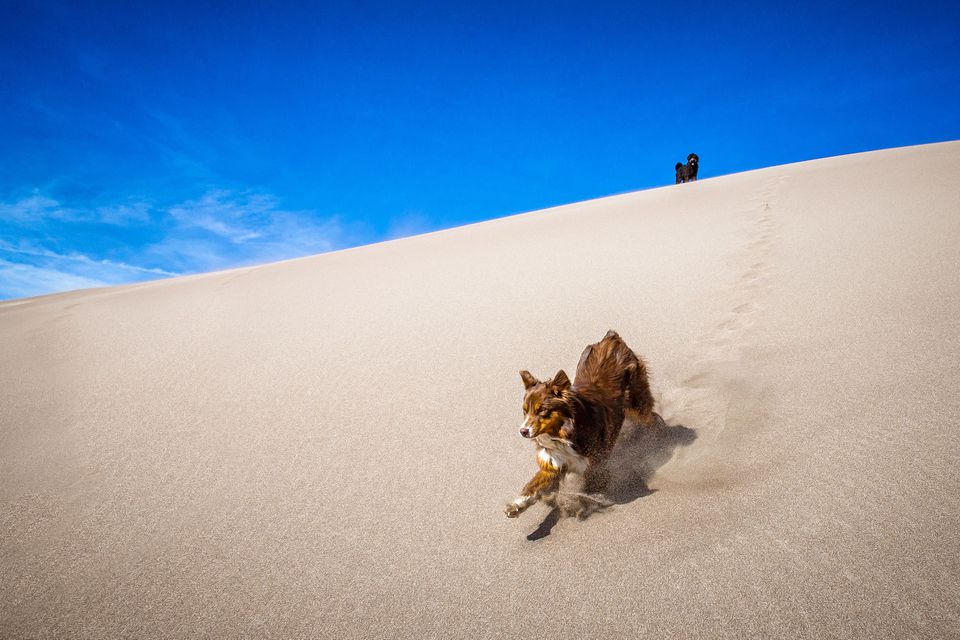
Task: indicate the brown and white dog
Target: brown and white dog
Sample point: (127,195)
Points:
(574,427)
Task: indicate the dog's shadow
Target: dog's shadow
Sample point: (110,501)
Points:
(639,452)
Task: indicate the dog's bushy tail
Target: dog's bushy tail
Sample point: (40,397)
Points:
(638,398)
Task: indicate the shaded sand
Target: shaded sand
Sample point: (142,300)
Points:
(322,447)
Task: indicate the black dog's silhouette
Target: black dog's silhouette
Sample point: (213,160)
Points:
(688,172)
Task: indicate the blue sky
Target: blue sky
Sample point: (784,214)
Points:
(140,141)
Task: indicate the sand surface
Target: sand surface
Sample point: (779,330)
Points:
(322,447)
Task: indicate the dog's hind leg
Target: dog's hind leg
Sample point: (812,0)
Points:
(581,495)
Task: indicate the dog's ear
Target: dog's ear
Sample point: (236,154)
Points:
(528,379)
(560,381)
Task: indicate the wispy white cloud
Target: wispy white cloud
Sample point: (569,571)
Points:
(37,208)
(31,209)
(238,219)
(111,271)
(29,270)
(19,280)
(221,229)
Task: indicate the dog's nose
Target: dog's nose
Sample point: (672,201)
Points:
(525,432)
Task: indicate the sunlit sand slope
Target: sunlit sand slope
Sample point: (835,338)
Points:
(322,447)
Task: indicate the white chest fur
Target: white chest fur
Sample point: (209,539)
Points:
(559,453)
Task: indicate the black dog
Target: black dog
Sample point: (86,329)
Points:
(688,172)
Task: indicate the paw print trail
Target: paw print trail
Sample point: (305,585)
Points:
(716,392)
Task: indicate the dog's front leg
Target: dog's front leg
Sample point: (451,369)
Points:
(544,482)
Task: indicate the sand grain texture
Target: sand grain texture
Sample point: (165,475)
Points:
(322,447)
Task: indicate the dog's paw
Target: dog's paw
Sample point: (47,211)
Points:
(513,509)
(583,505)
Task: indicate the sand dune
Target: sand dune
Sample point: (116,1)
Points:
(322,447)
